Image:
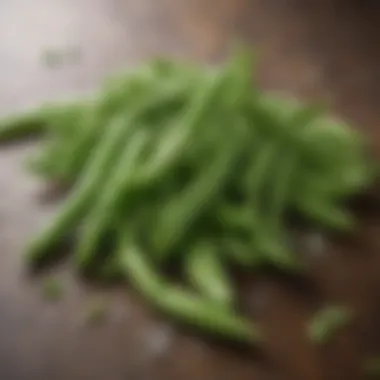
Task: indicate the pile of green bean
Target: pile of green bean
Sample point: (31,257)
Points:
(173,162)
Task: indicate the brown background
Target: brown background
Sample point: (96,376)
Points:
(313,49)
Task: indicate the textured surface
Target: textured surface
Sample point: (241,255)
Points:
(312,49)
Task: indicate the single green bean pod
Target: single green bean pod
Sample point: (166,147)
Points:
(120,185)
(206,272)
(180,304)
(327,322)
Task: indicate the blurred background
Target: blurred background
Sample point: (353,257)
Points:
(314,49)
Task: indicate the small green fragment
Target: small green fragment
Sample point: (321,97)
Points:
(52,289)
(52,58)
(208,275)
(96,313)
(371,366)
(327,322)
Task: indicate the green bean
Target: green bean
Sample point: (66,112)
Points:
(275,116)
(181,304)
(280,118)
(110,270)
(199,166)
(323,211)
(331,186)
(255,186)
(36,121)
(327,322)
(258,173)
(371,366)
(271,239)
(276,251)
(235,218)
(62,131)
(94,122)
(207,274)
(239,76)
(238,228)
(94,175)
(23,125)
(242,253)
(119,185)
(91,128)
(96,312)
(52,289)
(168,151)
(200,313)
(179,214)
(339,182)
(281,188)
(44,163)
(110,103)
(267,232)
(331,144)
(160,99)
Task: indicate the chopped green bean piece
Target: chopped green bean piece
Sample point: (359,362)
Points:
(328,322)
(52,289)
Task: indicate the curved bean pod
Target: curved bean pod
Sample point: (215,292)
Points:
(119,185)
(178,215)
(324,212)
(327,322)
(35,121)
(206,273)
(84,191)
(180,304)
